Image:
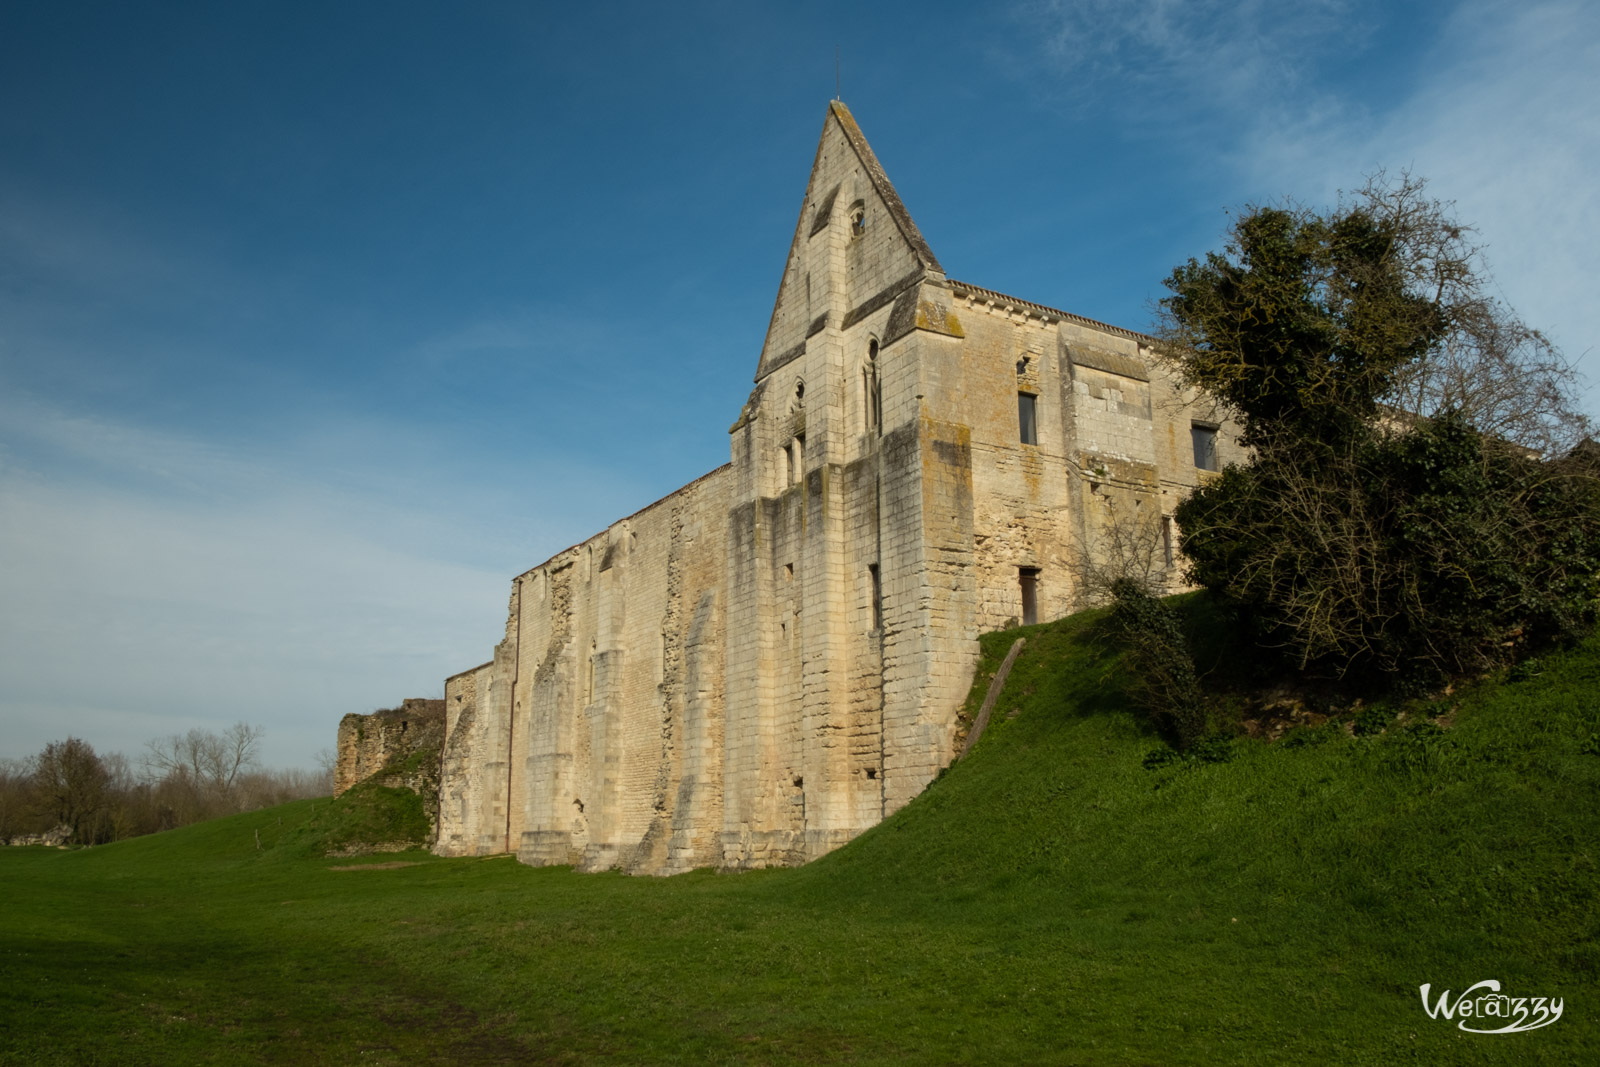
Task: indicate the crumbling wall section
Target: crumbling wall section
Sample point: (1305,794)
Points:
(368,744)
(396,747)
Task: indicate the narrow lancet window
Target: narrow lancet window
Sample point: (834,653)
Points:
(873,399)
(876,583)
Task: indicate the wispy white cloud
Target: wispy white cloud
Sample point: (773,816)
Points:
(1497,110)
(1199,54)
(1502,121)
(158,583)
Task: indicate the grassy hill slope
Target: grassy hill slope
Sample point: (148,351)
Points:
(1049,900)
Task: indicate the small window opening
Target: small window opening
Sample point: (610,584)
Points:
(797,467)
(788,572)
(1022,364)
(1166,538)
(589,680)
(872,772)
(877,595)
(1027,418)
(1028,577)
(799,783)
(858,221)
(873,395)
(1205,446)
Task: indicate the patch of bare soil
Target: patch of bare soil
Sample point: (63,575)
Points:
(375,866)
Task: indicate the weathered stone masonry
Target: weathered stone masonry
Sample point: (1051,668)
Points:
(758,667)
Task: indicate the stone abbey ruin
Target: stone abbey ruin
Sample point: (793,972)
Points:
(760,666)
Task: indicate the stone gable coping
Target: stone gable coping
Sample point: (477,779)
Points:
(882,299)
(824,212)
(978,294)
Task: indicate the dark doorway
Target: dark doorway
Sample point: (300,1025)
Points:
(1029,577)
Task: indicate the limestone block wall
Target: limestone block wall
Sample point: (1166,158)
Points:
(1113,447)
(1020,491)
(472,811)
(594,737)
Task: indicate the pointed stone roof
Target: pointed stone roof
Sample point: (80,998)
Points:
(885,188)
(787,330)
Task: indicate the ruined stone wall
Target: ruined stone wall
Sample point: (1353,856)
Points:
(369,743)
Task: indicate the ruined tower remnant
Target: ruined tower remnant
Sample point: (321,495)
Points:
(756,668)
(387,739)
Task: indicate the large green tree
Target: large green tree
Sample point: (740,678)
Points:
(70,786)
(1412,505)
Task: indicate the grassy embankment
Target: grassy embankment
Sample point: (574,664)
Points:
(1047,900)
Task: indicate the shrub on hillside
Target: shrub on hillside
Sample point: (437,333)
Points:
(1405,514)
(1156,655)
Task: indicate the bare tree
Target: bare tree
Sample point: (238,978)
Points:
(16,797)
(1128,545)
(206,763)
(327,765)
(1497,373)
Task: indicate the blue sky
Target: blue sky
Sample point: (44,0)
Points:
(319,322)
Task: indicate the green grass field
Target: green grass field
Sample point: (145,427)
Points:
(1049,900)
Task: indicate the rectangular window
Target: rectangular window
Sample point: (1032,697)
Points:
(1027,418)
(1029,578)
(1205,446)
(877,596)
